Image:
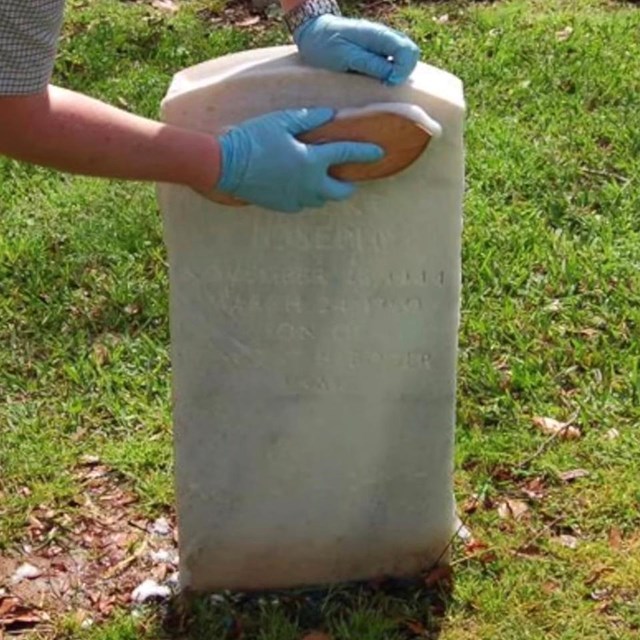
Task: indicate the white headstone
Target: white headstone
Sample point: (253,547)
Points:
(314,354)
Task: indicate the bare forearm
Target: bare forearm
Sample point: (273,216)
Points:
(74,133)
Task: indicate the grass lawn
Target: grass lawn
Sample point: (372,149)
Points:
(550,328)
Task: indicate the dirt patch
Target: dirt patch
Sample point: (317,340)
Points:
(259,15)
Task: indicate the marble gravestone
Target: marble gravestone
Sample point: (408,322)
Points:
(314,354)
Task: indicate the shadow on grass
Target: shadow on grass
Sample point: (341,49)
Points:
(388,610)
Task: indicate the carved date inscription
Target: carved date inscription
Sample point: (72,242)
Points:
(310,276)
(317,331)
(236,303)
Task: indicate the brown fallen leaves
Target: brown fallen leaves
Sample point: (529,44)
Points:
(574,474)
(479,550)
(553,427)
(512,509)
(16,616)
(535,489)
(472,504)
(517,506)
(85,559)
(615,539)
(417,628)
(248,22)
(439,577)
(244,15)
(566,540)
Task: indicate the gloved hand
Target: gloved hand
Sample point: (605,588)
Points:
(263,163)
(345,44)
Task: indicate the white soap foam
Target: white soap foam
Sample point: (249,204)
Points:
(403,109)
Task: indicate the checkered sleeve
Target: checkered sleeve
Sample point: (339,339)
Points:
(29,31)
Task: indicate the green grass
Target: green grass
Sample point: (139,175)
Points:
(551,314)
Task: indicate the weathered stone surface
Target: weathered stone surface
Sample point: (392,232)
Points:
(314,354)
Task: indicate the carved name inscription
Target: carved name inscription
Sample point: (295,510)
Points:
(326,237)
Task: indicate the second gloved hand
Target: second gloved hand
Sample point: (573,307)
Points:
(346,44)
(262,162)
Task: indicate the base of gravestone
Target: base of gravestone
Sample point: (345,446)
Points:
(192,614)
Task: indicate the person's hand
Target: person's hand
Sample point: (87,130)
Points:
(263,163)
(345,44)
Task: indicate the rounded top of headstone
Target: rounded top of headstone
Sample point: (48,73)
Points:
(273,61)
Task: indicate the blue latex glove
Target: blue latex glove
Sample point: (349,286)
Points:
(344,44)
(263,163)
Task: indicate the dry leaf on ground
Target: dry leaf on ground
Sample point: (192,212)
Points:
(571,542)
(441,575)
(615,539)
(515,509)
(479,550)
(553,427)
(596,574)
(417,628)
(564,34)
(165,5)
(529,550)
(100,354)
(574,474)
(7,605)
(534,489)
(600,594)
(316,635)
(554,305)
(248,22)
(14,614)
(470,505)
